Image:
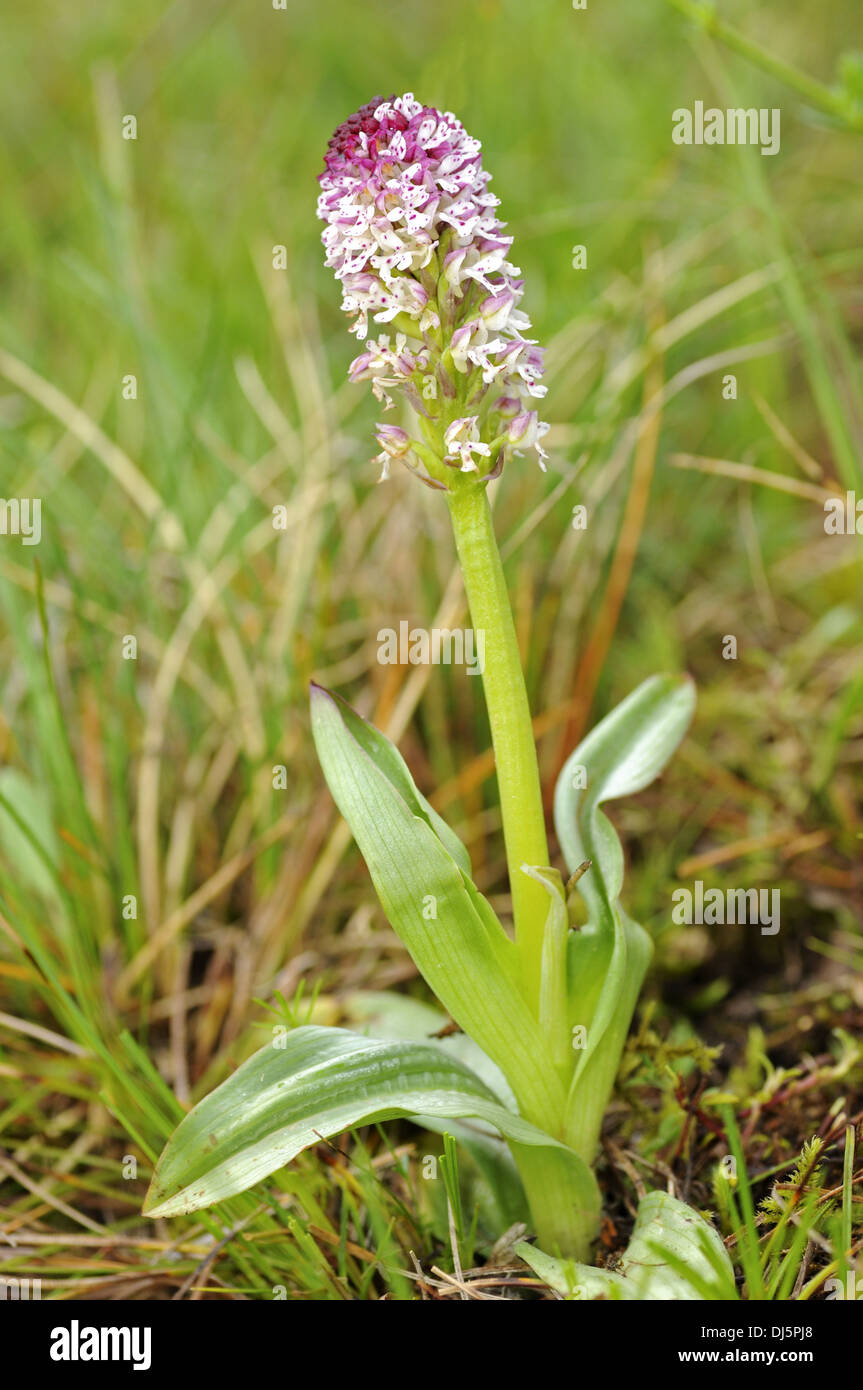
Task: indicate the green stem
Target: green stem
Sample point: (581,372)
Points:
(565,1209)
(509,717)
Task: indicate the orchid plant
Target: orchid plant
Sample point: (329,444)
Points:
(412,233)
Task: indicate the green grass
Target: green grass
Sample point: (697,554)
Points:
(153,778)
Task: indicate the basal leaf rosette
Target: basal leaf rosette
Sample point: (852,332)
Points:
(412,234)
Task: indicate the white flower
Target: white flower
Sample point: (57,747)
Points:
(463,442)
(525,431)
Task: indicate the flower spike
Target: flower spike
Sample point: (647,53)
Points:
(413,235)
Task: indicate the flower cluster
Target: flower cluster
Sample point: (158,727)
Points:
(413,235)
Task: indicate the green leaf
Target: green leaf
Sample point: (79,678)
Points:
(313,1083)
(624,753)
(451,932)
(390,762)
(674,1254)
(552,987)
(25,827)
(385,1015)
(608,957)
(382,1014)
